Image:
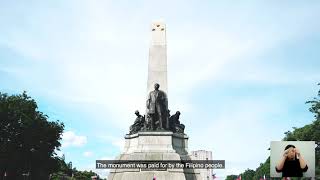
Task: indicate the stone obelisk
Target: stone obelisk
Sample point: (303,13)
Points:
(157,67)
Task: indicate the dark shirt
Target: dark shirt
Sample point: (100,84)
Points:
(291,168)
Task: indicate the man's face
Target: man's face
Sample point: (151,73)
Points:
(291,153)
(156,86)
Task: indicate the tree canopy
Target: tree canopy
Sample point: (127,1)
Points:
(27,139)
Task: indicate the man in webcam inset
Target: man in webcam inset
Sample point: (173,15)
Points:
(292,164)
(157,106)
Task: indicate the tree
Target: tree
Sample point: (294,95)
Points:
(315,106)
(84,175)
(310,132)
(231,177)
(27,139)
(248,174)
(65,171)
(263,170)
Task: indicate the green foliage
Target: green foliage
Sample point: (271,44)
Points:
(262,170)
(231,177)
(59,176)
(27,139)
(84,175)
(28,142)
(248,174)
(68,173)
(315,106)
(75,175)
(310,132)
(65,169)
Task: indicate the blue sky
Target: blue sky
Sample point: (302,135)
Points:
(239,72)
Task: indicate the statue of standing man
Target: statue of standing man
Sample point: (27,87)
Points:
(157,109)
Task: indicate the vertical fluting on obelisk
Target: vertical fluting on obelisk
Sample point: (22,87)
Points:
(157,67)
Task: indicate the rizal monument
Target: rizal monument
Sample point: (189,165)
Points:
(157,135)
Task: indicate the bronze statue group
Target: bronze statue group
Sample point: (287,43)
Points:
(157,116)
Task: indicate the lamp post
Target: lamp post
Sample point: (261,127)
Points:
(70,173)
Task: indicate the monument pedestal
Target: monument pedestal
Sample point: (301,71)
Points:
(155,146)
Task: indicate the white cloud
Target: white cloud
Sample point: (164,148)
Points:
(115,141)
(87,154)
(106,158)
(69,139)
